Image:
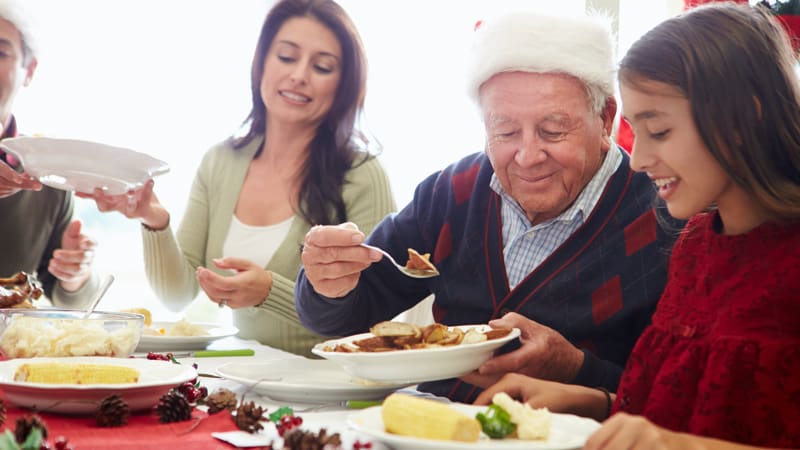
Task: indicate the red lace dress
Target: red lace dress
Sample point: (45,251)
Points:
(722,357)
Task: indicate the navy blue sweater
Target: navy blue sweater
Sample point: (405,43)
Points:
(598,289)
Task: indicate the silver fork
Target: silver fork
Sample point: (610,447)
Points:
(413,273)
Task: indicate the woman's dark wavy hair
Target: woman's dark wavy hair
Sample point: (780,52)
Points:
(735,65)
(338,141)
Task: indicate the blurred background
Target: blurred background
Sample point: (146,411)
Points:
(171,77)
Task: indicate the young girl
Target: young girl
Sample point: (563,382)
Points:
(714,102)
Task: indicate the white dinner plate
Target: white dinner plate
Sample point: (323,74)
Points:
(566,432)
(157,343)
(304,381)
(415,365)
(156,378)
(83,166)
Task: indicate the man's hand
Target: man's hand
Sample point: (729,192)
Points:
(544,354)
(12,181)
(72,263)
(333,259)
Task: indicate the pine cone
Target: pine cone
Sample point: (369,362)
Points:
(173,407)
(26,424)
(220,400)
(249,416)
(112,412)
(298,439)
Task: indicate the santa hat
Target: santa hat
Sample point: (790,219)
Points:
(17,13)
(580,46)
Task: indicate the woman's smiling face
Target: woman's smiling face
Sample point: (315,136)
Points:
(301,72)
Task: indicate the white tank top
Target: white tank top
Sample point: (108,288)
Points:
(255,243)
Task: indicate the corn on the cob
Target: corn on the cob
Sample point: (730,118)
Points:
(413,416)
(75,373)
(148,317)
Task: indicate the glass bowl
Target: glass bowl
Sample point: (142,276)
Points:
(28,333)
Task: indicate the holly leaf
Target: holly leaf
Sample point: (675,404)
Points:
(8,442)
(34,440)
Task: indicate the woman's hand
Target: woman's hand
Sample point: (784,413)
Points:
(136,204)
(626,432)
(249,286)
(72,263)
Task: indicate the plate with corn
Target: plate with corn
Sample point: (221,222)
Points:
(406,422)
(77,385)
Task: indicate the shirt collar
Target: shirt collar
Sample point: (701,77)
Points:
(587,199)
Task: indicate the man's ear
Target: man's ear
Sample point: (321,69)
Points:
(30,70)
(608,114)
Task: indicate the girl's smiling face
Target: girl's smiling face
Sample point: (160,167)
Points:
(668,146)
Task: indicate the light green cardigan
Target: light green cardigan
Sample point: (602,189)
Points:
(170,263)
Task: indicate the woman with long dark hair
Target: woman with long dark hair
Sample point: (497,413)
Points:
(300,161)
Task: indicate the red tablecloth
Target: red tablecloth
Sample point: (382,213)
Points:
(143,431)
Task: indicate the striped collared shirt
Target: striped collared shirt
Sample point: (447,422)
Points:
(525,247)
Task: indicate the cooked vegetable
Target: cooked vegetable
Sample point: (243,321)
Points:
(75,373)
(532,424)
(419,417)
(496,422)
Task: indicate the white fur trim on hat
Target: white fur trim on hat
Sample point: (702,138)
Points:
(16,12)
(581,46)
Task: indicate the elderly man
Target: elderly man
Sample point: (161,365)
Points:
(547,229)
(37,234)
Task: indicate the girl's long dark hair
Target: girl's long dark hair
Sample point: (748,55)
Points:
(338,141)
(735,65)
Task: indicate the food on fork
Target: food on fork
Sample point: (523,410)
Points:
(75,373)
(424,418)
(420,263)
(392,335)
(17,290)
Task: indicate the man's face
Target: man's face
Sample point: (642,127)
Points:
(543,141)
(14,73)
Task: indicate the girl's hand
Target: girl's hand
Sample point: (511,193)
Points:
(557,397)
(624,431)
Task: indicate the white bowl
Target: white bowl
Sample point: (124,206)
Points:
(414,365)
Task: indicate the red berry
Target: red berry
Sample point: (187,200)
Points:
(61,443)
